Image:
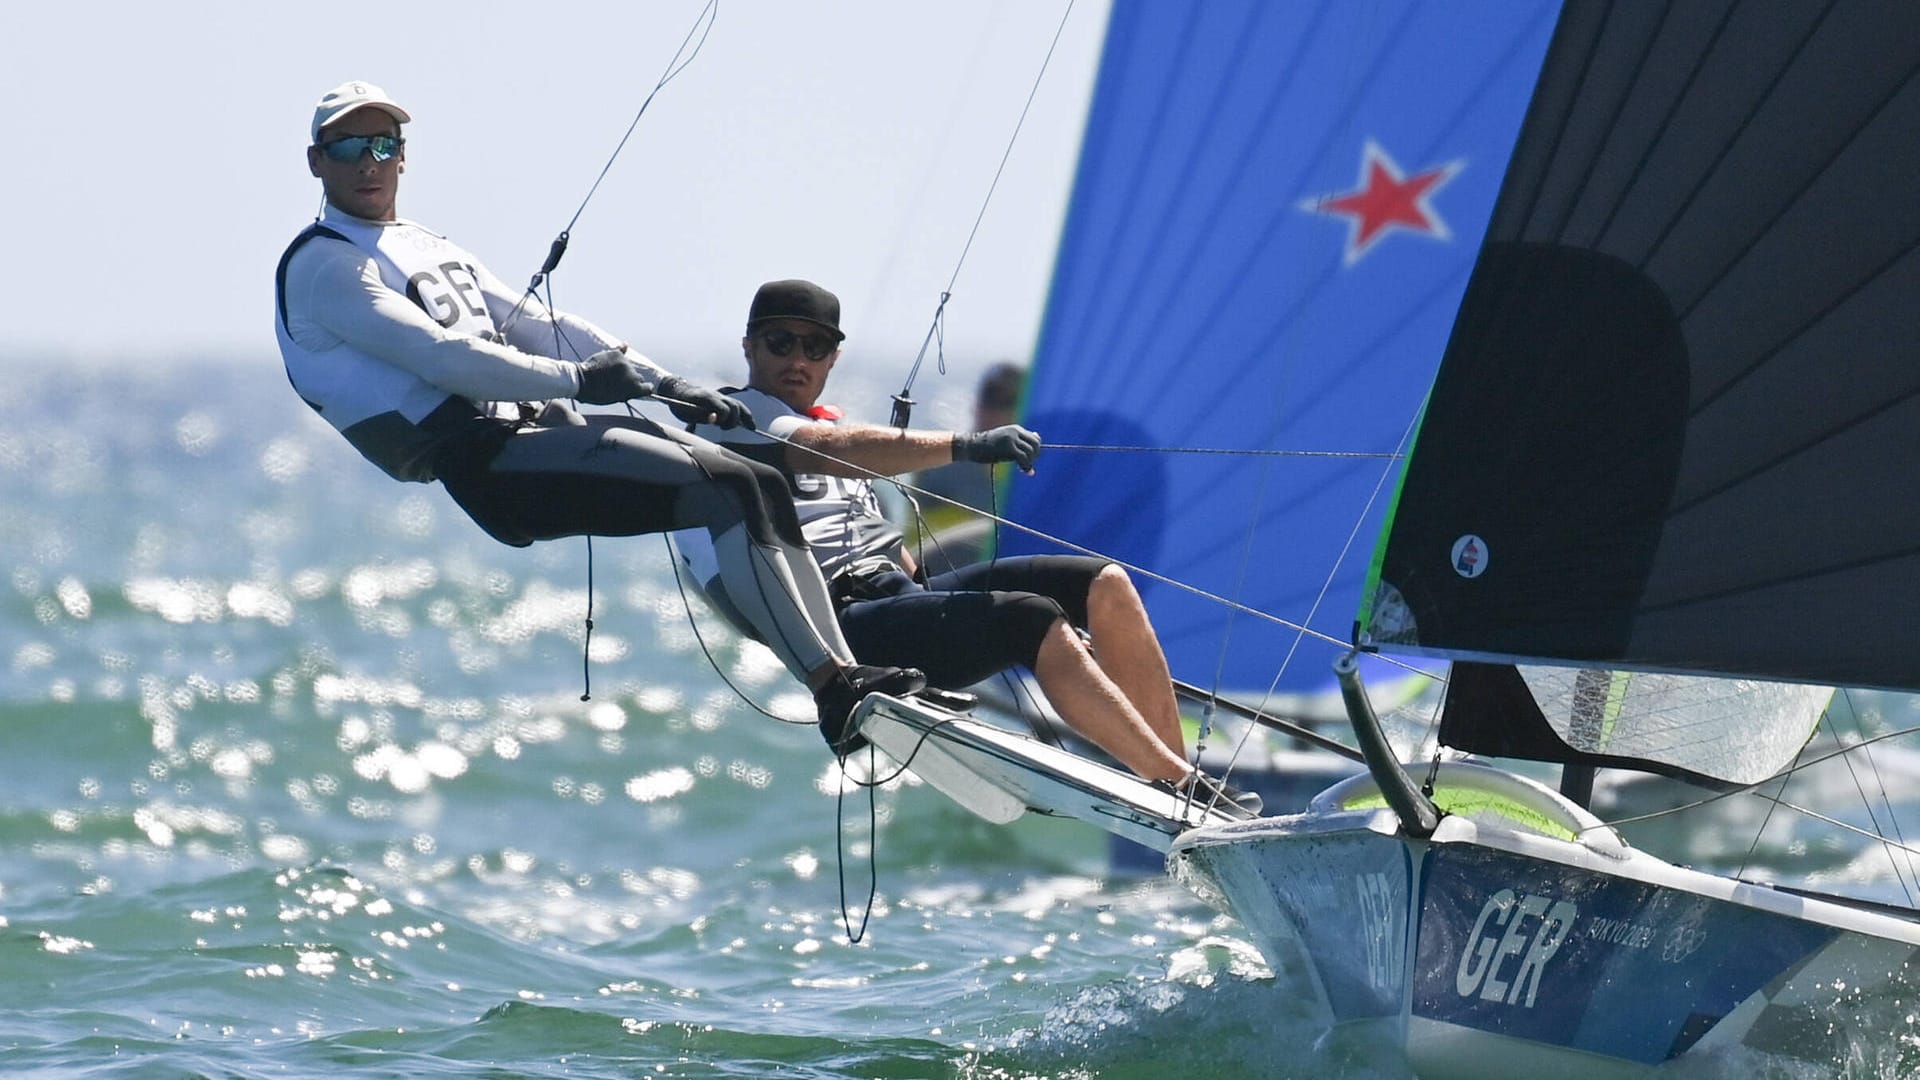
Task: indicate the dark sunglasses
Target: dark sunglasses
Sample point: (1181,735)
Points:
(815,346)
(348,150)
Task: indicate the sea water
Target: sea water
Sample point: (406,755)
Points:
(298,780)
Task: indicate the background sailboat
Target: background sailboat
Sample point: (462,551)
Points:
(1275,216)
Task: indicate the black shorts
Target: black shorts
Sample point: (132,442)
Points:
(966,625)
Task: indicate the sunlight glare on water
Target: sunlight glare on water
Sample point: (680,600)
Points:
(299,781)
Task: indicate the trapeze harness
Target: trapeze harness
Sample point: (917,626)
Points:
(524,473)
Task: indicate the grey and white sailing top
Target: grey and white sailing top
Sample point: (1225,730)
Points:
(392,333)
(840,516)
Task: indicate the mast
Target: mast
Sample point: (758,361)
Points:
(1417,814)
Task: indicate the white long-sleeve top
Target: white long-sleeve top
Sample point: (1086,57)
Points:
(382,324)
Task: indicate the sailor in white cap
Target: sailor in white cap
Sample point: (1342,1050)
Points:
(435,370)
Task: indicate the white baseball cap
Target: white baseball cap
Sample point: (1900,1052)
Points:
(349,96)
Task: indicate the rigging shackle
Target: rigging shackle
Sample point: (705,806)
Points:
(554,253)
(902,403)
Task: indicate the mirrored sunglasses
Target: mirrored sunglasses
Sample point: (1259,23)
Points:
(815,346)
(348,150)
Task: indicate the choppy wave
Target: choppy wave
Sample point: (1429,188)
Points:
(299,780)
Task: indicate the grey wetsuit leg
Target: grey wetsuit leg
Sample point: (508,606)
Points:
(784,628)
(622,476)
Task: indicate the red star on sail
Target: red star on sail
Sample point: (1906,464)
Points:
(1386,198)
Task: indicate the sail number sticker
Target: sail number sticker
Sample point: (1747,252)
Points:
(1469,556)
(1510,945)
(1380,912)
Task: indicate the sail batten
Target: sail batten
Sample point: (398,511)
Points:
(1815,206)
(1642,169)
(1881,275)
(1576,206)
(1813,441)
(1747,124)
(1182,230)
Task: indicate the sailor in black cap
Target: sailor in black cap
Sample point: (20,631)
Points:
(967,624)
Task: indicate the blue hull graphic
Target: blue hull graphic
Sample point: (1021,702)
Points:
(1555,954)
(1489,952)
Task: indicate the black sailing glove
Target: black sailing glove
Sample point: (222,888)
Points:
(1010,443)
(699,405)
(608,377)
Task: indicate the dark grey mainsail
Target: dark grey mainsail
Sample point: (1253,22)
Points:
(1678,421)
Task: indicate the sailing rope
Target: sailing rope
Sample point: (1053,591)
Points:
(1754,788)
(1894,846)
(708,15)
(935,338)
(870,782)
(1868,834)
(1867,801)
(1232,605)
(903,401)
(702,25)
(1326,586)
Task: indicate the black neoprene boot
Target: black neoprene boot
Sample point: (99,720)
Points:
(836,700)
(1207,792)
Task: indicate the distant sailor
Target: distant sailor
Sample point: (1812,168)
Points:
(434,369)
(970,623)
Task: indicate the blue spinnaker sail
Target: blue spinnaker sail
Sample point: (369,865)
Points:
(1276,212)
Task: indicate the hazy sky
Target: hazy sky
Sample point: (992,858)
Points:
(154,169)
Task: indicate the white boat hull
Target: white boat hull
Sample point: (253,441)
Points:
(1496,952)
(999,775)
